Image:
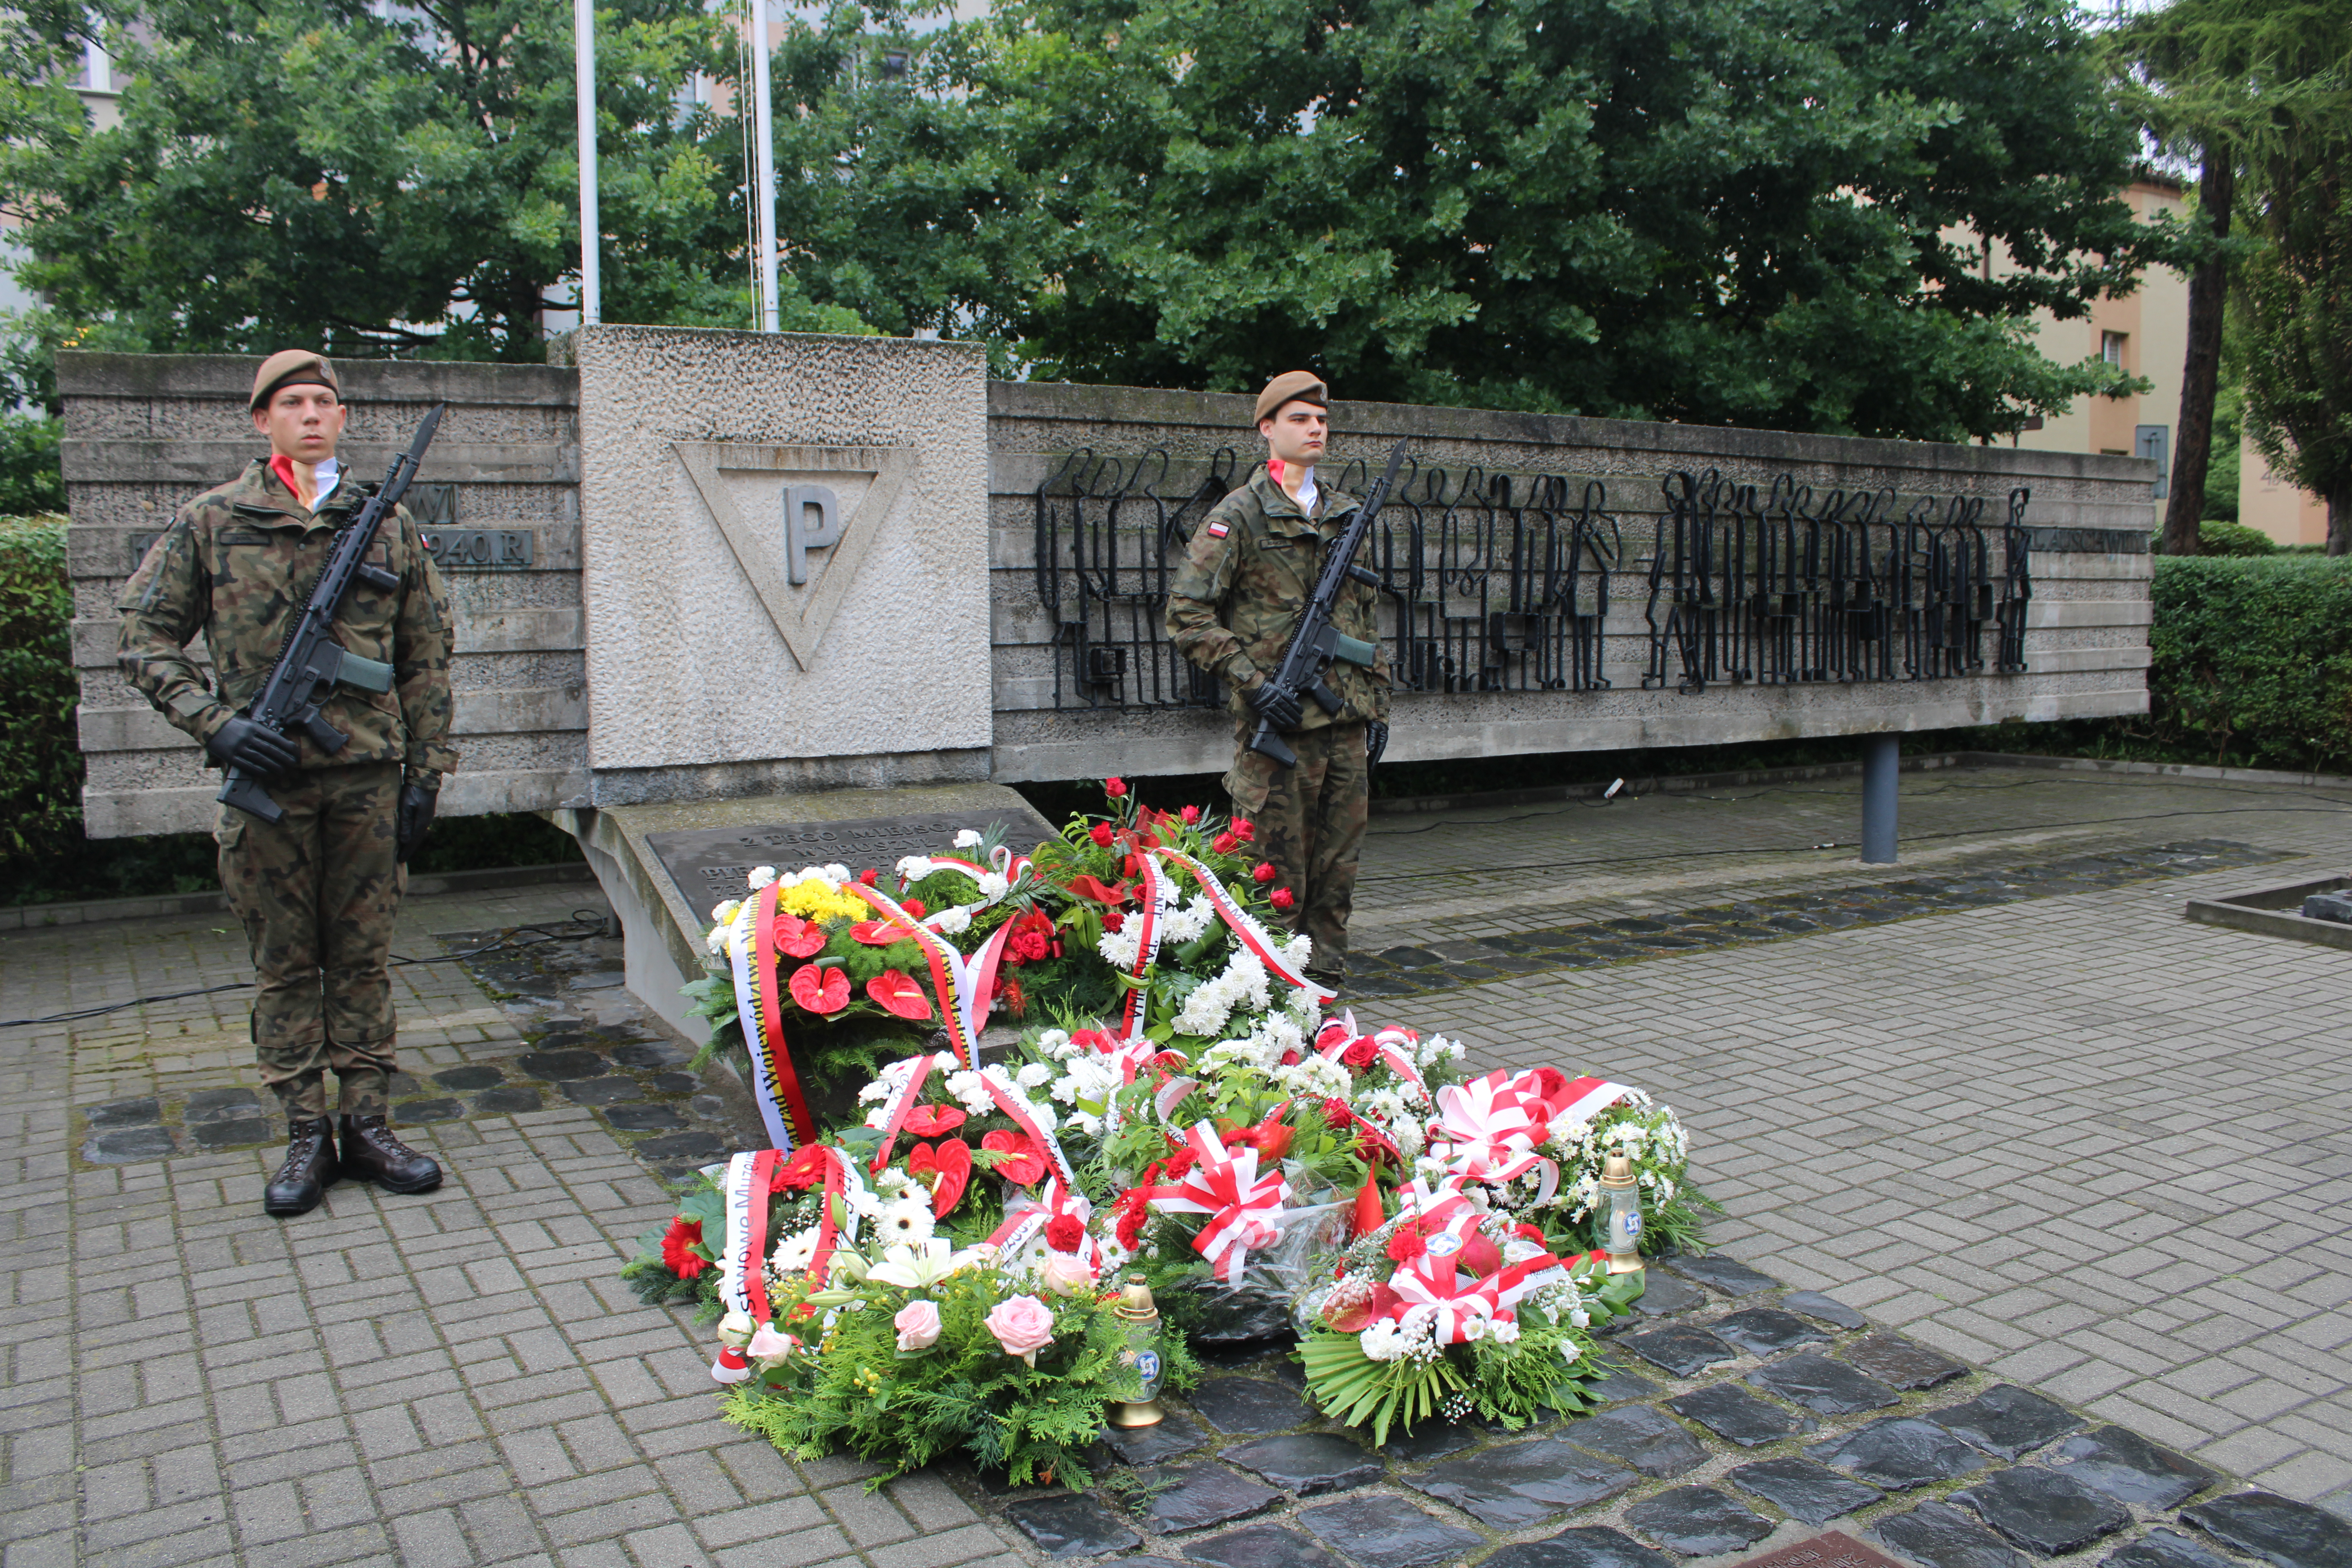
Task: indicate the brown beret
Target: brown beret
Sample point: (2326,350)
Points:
(1291,386)
(292,367)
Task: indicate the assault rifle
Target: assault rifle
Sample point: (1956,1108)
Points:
(1314,641)
(309,660)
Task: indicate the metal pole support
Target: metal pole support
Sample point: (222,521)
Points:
(1882,759)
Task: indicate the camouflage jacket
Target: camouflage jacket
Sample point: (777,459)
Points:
(234,565)
(1252,565)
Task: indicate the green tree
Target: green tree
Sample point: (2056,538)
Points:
(2228,83)
(2298,295)
(1713,211)
(372,179)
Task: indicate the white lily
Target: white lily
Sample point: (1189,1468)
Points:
(920,1267)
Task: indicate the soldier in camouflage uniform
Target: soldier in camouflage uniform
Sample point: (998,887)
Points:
(318,890)
(1253,563)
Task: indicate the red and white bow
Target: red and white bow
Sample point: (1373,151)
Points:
(1394,1047)
(1489,1129)
(1244,1209)
(1455,1298)
(1026,1219)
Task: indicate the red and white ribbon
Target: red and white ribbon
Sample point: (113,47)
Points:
(901,1103)
(1455,1298)
(759,1004)
(1584,1098)
(963,986)
(1159,900)
(1244,1209)
(1246,927)
(1490,1127)
(841,1180)
(1392,1046)
(1009,1101)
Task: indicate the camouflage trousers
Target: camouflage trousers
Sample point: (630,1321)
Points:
(1311,825)
(318,893)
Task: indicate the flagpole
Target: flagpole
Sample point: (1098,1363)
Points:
(583,51)
(763,158)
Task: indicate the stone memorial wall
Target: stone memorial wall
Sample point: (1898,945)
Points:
(497,495)
(693,565)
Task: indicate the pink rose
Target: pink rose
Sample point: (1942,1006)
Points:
(769,1347)
(1067,1274)
(917,1323)
(1023,1326)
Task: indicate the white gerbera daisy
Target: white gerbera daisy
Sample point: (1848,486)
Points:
(904,1223)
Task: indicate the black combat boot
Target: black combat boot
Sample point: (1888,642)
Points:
(310,1169)
(372,1153)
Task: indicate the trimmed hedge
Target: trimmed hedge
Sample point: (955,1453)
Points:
(40,769)
(2253,662)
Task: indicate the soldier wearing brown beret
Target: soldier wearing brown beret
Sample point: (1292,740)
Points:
(317,892)
(1251,566)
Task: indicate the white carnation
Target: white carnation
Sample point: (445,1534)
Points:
(966,838)
(950,922)
(1033,1074)
(915,868)
(761,877)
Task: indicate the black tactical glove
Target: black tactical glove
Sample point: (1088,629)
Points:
(1274,705)
(413,817)
(1376,741)
(253,746)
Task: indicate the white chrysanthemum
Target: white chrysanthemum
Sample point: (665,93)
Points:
(761,877)
(878,1118)
(717,940)
(836,875)
(1119,949)
(967,838)
(970,1093)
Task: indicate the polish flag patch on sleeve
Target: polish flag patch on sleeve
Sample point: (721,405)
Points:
(1216,531)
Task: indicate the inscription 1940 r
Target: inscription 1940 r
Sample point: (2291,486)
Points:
(710,865)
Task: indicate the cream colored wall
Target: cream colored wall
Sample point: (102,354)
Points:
(2154,320)
(2271,504)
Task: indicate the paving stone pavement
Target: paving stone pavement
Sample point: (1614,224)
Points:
(2083,1147)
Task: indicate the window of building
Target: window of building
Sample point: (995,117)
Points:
(2111,347)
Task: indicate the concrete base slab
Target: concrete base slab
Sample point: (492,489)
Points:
(2272,912)
(664,925)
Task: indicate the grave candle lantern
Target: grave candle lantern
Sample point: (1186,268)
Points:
(1617,1217)
(1141,1315)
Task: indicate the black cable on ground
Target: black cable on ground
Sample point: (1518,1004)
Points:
(588,918)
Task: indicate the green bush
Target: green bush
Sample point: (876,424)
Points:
(2217,538)
(40,768)
(30,479)
(2253,661)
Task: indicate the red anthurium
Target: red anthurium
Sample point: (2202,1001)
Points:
(1027,1166)
(879,932)
(801,939)
(1085,886)
(895,992)
(820,990)
(1357,1318)
(946,1169)
(934,1121)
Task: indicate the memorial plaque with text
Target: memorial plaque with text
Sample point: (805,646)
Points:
(1833,1550)
(709,864)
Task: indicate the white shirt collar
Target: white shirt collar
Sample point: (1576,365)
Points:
(329,472)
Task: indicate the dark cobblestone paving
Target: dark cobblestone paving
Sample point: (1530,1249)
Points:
(633,1079)
(1443,966)
(1724,1452)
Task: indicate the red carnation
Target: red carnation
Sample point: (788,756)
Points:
(870,876)
(913,907)
(1282,899)
(1246,829)
(1406,1244)
(677,1256)
(1529,1233)
(1132,1217)
(1361,1053)
(1265,872)
(1065,1233)
(1113,920)
(1179,1162)
(1114,787)
(1101,833)
(1225,844)
(1191,815)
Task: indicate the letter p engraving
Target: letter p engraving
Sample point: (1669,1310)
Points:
(804,532)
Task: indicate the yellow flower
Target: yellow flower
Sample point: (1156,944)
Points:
(814,900)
